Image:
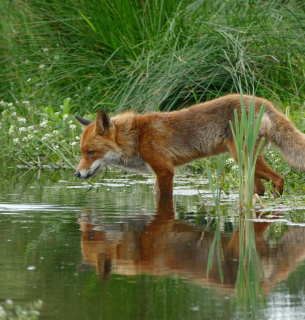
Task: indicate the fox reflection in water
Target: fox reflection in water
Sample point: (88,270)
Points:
(161,245)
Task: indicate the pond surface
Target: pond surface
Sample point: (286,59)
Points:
(111,251)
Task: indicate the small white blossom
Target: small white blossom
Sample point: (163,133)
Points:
(41,66)
(73,127)
(56,57)
(2,313)
(30,127)
(55,132)
(13,114)
(44,123)
(77,137)
(30,137)
(66,116)
(10,104)
(2,103)
(74,143)
(26,62)
(25,139)
(26,102)
(11,130)
(16,140)
(57,113)
(88,88)
(21,120)
(29,79)
(45,50)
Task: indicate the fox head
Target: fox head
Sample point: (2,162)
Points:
(98,146)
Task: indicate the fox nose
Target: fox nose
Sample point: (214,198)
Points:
(77,174)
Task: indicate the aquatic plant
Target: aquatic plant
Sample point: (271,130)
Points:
(245,132)
(248,287)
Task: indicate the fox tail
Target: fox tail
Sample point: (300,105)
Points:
(288,139)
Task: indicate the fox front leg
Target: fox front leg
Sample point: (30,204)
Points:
(164,184)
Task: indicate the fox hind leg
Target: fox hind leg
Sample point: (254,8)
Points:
(259,187)
(263,171)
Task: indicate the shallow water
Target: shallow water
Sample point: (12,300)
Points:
(111,251)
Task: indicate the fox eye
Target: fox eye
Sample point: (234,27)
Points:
(90,153)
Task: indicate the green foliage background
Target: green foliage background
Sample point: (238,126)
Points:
(150,54)
(60,58)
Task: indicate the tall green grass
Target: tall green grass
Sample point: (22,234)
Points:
(149,55)
(245,132)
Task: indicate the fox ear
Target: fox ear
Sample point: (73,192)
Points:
(82,121)
(102,122)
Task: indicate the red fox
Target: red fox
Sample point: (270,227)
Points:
(159,141)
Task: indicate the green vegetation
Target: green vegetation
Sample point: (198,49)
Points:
(64,58)
(245,133)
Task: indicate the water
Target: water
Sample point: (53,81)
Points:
(70,251)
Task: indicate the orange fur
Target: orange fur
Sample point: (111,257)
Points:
(159,141)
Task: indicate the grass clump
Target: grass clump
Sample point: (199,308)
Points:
(150,54)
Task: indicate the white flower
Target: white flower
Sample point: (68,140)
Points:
(22,129)
(44,123)
(26,102)
(2,313)
(74,143)
(55,132)
(66,116)
(30,127)
(11,130)
(88,88)
(77,138)
(56,57)
(73,127)
(16,140)
(2,103)
(57,113)
(45,50)
(10,104)
(21,120)
(25,139)
(41,66)
(30,137)
(13,114)
(29,79)
(46,136)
